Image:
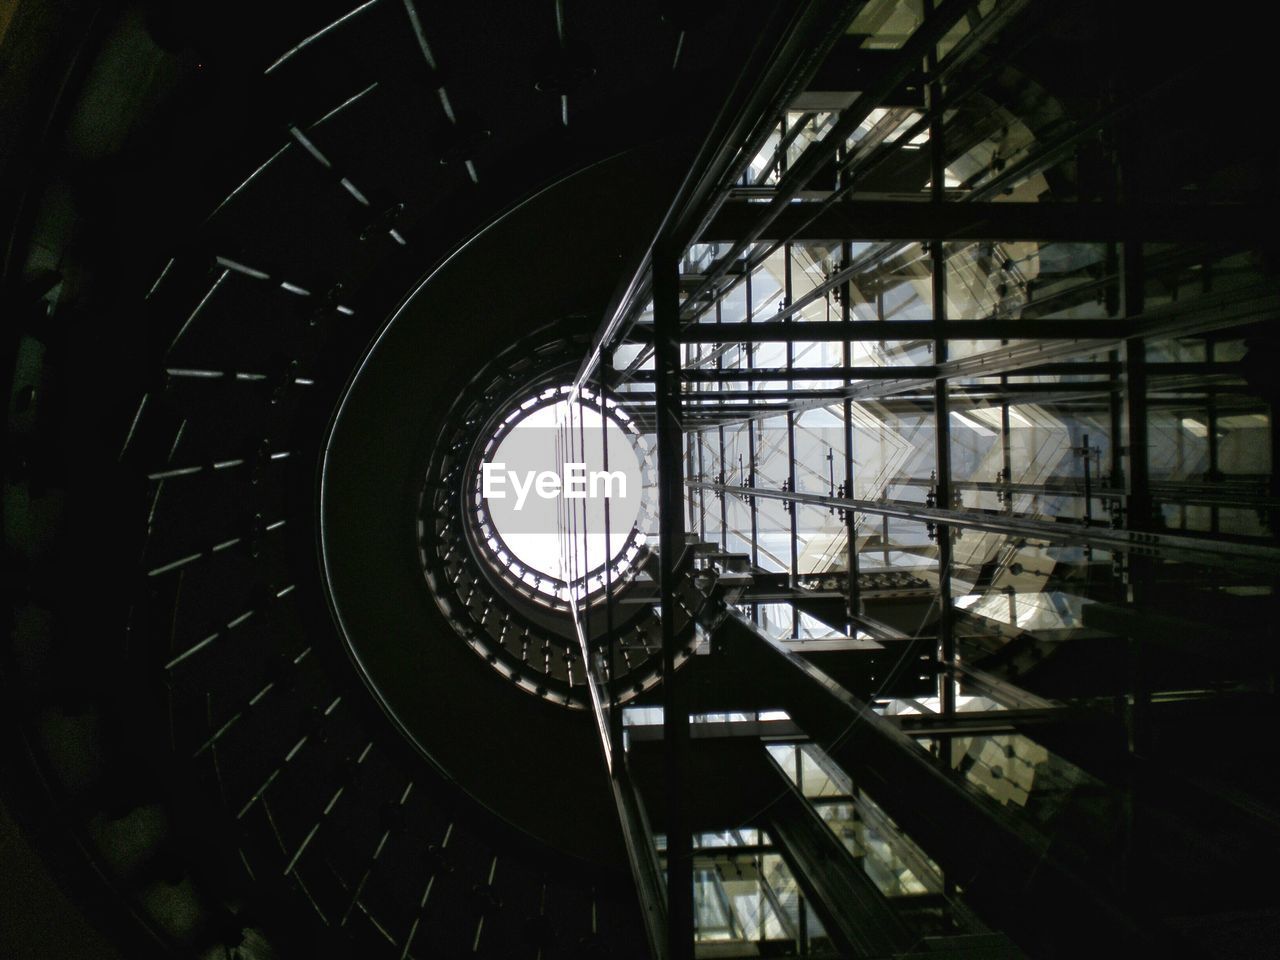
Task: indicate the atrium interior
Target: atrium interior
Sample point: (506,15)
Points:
(917,592)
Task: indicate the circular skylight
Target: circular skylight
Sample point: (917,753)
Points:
(554,475)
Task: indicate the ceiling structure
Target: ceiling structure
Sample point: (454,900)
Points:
(943,334)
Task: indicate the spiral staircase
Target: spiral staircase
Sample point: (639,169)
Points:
(236,735)
(278,277)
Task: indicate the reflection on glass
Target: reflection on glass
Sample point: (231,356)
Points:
(747,901)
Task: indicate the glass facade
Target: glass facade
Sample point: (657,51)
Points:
(935,419)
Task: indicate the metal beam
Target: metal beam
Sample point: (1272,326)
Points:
(1167,546)
(872,152)
(864,331)
(1038,345)
(857,916)
(907,220)
(777,71)
(671,566)
(905,61)
(990,853)
(642,855)
(1204,314)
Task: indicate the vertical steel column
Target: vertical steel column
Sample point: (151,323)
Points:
(793,509)
(724,469)
(696,440)
(750,479)
(854,600)
(671,564)
(1115,409)
(1137,480)
(585,556)
(1211,424)
(1139,571)
(942,416)
(1006,451)
(615,712)
(884,521)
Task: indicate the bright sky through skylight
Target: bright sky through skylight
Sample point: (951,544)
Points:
(530,526)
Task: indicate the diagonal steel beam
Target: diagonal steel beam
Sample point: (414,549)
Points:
(1235,554)
(912,220)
